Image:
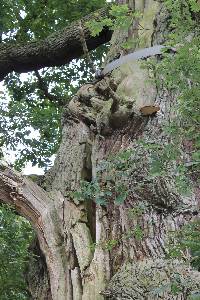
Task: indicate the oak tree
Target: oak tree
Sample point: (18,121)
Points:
(126,170)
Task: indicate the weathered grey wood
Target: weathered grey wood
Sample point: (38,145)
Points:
(37,206)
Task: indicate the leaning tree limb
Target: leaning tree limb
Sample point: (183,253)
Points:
(32,202)
(55,50)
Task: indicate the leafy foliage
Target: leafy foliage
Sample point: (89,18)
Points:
(184,244)
(110,182)
(15,237)
(187,238)
(121,17)
(31,103)
(32,20)
(181,77)
(178,284)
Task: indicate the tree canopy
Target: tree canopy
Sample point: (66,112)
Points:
(27,102)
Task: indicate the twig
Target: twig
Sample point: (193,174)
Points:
(43,87)
(85,48)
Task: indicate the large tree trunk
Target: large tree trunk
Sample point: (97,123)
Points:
(67,228)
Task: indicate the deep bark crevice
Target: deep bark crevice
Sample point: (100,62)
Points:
(91,216)
(86,175)
(36,274)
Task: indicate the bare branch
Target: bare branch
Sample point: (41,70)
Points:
(42,85)
(85,48)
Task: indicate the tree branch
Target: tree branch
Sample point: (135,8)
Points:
(42,85)
(56,50)
(37,206)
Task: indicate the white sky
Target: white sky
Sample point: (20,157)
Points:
(10,156)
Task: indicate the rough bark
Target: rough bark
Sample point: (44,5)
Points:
(67,228)
(36,274)
(56,50)
(165,208)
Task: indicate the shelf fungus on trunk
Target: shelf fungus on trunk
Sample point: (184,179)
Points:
(149,110)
